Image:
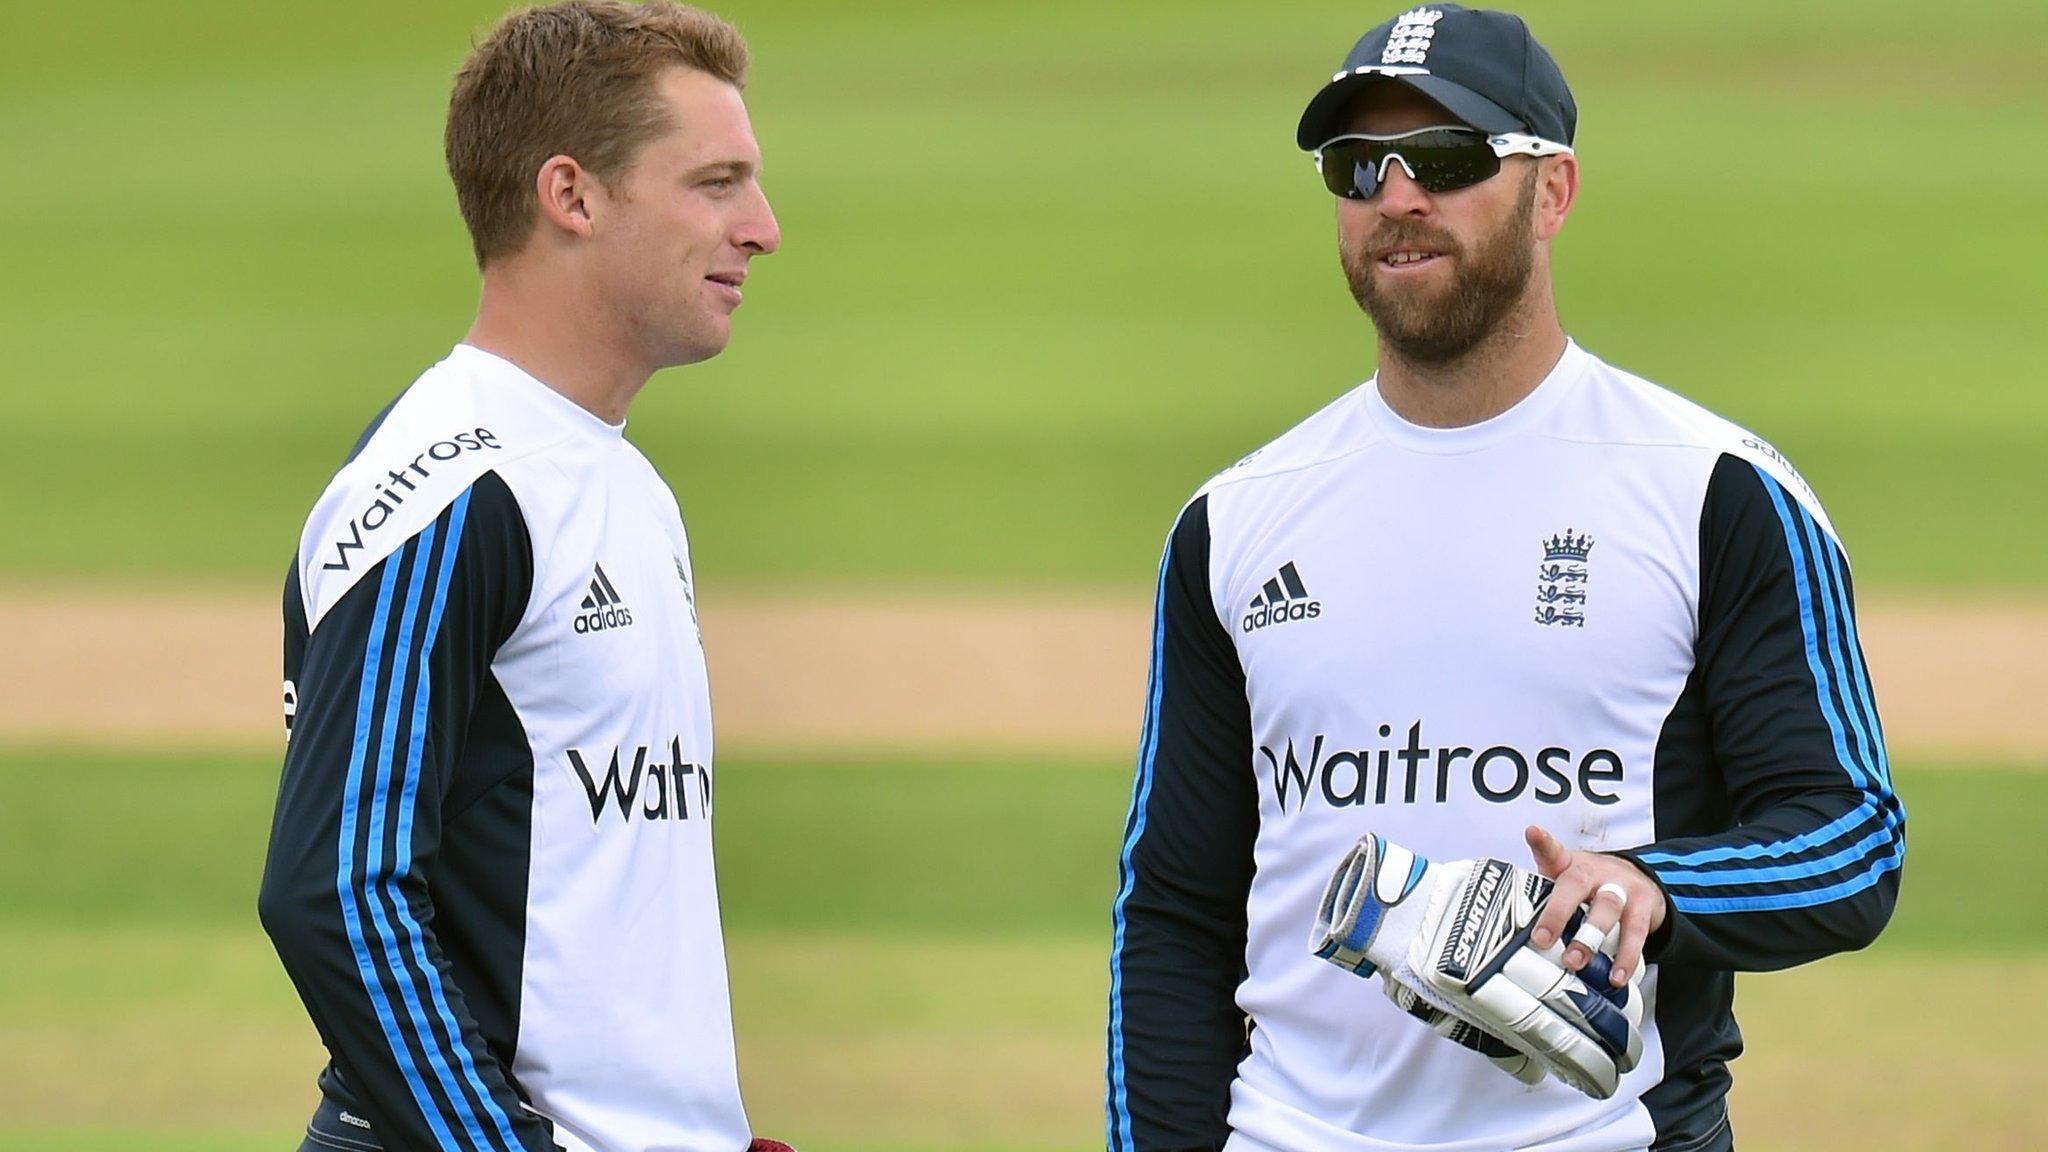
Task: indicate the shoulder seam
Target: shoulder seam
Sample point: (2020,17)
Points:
(1224,479)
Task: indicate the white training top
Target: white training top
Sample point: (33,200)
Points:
(1443,636)
(493,883)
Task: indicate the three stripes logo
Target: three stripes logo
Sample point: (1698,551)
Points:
(603,608)
(1283,598)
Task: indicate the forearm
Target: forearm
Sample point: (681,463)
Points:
(1811,877)
(1176,1033)
(392,1014)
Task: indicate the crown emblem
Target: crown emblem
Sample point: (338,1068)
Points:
(1409,40)
(1567,547)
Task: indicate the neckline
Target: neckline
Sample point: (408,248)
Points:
(1570,367)
(572,413)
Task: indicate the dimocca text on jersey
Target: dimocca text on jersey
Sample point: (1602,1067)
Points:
(1499,774)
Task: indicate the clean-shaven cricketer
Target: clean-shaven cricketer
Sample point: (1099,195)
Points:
(490,871)
(1502,590)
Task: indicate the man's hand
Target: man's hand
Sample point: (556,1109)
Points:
(1456,933)
(1613,891)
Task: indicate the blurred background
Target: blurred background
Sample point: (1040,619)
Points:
(1047,266)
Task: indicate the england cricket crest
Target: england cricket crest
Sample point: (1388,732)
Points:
(1409,41)
(1561,580)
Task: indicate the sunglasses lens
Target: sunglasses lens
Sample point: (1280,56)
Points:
(1447,169)
(1350,170)
(1442,160)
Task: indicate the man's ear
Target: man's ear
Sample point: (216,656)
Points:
(1557,188)
(566,191)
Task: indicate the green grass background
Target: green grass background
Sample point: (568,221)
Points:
(919,957)
(1047,266)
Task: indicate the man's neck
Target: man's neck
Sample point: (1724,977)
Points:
(524,321)
(1501,371)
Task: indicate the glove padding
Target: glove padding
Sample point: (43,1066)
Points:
(763,1144)
(1456,937)
(1462,1032)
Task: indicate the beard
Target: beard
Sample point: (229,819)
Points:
(1439,327)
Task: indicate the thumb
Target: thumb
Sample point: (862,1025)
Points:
(1551,857)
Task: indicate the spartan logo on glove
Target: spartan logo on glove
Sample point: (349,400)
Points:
(1482,892)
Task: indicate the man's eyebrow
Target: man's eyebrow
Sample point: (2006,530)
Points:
(724,168)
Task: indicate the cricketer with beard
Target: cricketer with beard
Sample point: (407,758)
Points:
(1501,593)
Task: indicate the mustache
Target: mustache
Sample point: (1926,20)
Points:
(1394,237)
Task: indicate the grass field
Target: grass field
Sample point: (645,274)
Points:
(1047,266)
(918,953)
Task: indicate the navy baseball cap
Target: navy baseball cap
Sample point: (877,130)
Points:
(1485,67)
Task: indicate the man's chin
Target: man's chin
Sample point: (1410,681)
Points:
(699,345)
(1408,319)
(1399,297)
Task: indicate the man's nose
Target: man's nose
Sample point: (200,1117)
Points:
(759,231)
(1399,194)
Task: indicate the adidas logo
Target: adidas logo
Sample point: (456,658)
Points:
(1282,599)
(603,608)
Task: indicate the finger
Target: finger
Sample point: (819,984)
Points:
(1604,911)
(1628,954)
(1589,937)
(1551,856)
(1573,887)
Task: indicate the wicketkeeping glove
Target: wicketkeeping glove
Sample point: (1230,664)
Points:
(1456,936)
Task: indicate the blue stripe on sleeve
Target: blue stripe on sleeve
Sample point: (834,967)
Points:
(1776,902)
(1866,700)
(1825,834)
(415,769)
(1842,690)
(1823,680)
(379,876)
(1836,606)
(1117,1103)
(346,873)
(1800,870)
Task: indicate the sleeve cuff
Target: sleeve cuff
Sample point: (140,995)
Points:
(1660,939)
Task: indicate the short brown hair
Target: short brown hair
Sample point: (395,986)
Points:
(574,78)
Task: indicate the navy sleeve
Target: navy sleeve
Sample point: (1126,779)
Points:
(1176,1033)
(385,685)
(1806,856)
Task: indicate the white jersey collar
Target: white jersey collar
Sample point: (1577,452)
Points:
(560,409)
(1526,413)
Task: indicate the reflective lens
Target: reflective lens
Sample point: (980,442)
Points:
(1438,159)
